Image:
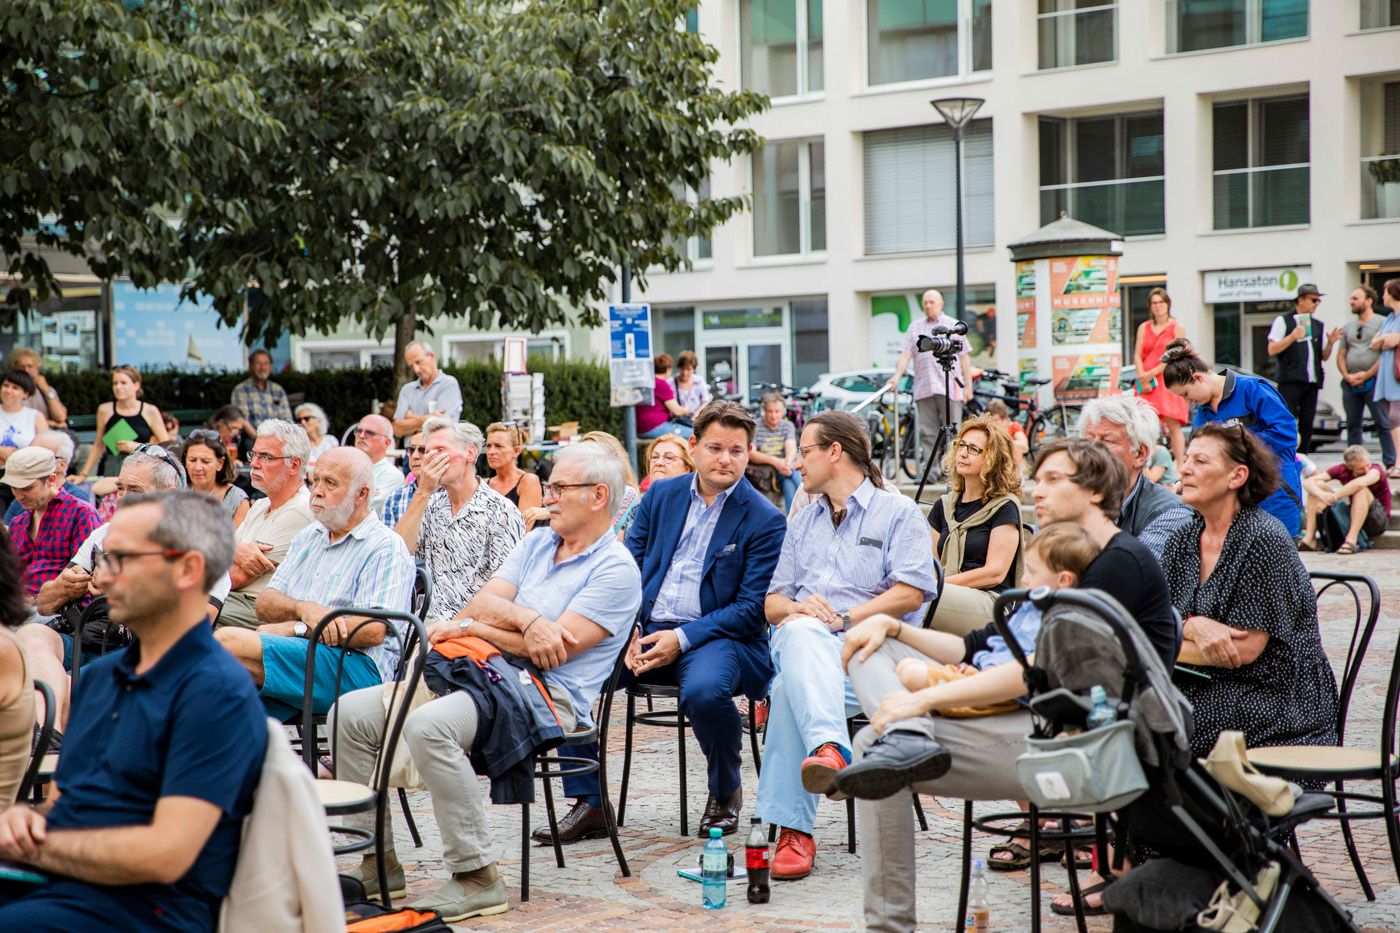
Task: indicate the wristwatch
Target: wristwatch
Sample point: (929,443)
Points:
(845,619)
(463,625)
(299,629)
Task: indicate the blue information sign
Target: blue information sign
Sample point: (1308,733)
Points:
(630,330)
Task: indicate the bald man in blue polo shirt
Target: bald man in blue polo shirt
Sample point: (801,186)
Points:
(164,747)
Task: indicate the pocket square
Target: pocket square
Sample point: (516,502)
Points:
(727,549)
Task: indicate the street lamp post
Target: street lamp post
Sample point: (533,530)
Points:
(957,112)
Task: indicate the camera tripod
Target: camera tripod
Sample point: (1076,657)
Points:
(948,432)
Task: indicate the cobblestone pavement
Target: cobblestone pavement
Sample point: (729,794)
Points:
(590,893)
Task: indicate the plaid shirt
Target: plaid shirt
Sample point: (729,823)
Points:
(397,503)
(928,375)
(65,526)
(261,404)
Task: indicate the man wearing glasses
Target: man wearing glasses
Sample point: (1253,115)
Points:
(1299,352)
(375,436)
(565,599)
(277,467)
(398,500)
(164,748)
(706,543)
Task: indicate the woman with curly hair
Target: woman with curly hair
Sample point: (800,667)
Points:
(977,526)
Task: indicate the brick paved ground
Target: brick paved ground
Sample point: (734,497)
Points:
(590,892)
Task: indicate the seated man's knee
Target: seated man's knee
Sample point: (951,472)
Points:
(705,696)
(798,628)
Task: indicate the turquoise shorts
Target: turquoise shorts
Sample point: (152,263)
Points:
(284,675)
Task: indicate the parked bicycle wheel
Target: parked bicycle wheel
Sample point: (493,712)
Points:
(913,460)
(1052,423)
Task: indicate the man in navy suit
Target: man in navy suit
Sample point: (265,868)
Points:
(707,544)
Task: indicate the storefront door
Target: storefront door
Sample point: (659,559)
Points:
(756,355)
(1256,344)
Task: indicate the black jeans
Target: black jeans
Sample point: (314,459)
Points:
(1355,403)
(1301,399)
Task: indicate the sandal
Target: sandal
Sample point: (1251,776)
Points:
(1346,547)
(1083,856)
(1394,472)
(1020,853)
(1305,545)
(1087,909)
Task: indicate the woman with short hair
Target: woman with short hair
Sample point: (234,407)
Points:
(19,424)
(211,471)
(666,456)
(317,426)
(691,391)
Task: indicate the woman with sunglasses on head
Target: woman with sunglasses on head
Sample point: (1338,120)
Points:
(1232,398)
(317,426)
(522,488)
(211,471)
(666,456)
(122,425)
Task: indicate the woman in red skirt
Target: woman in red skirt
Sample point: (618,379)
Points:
(1152,338)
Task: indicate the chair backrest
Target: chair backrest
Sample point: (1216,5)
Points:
(1365,616)
(94,612)
(422,599)
(41,747)
(932,608)
(605,698)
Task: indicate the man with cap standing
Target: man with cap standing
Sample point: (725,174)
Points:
(53,524)
(1296,344)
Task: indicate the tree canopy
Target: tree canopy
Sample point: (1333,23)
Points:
(369,160)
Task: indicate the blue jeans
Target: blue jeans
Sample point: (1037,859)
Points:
(789,486)
(1356,400)
(809,702)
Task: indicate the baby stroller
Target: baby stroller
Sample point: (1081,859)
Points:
(1202,838)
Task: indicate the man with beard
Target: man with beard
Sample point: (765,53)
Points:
(344,558)
(164,748)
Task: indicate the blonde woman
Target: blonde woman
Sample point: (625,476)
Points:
(503,445)
(667,456)
(122,425)
(977,526)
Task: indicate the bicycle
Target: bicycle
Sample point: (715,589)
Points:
(894,449)
(1041,424)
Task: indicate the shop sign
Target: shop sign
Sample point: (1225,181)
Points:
(1278,284)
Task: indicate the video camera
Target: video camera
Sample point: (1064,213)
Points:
(942,342)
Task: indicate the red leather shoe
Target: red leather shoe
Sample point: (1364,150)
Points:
(819,770)
(794,856)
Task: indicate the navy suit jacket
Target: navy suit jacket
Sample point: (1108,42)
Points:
(739,565)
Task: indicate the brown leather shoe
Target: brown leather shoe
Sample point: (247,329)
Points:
(581,822)
(722,814)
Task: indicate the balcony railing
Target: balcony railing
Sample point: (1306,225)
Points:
(1380,186)
(1127,207)
(1273,196)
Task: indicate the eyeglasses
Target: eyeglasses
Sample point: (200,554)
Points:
(114,561)
(802,451)
(557,489)
(665,458)
(418,449)
(258,455)
(971,448)
(361,432)
(717,450)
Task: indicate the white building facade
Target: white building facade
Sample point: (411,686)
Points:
(1239,147)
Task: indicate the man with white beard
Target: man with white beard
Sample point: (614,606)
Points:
(344,558)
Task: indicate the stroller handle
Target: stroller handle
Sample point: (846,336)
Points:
(1044,598)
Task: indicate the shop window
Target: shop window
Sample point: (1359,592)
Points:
(1195,25)
(1105,171)
(789,199)
(909,191)
(913,40)
(1261,164)
(1077,32)
(780,46)
(677,329)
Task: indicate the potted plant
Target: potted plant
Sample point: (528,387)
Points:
(1385,172)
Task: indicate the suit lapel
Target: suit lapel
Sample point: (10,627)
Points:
(731,513)
(674,520)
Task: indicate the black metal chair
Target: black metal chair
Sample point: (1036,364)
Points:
(93,617)
(422,601)
(1345,762)
(552,767)
(31,783)
(340,797)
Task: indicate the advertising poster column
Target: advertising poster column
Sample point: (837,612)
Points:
(1086,326)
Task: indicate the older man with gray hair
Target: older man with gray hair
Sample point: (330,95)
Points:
(565,598)
(375,436)
(344,558)
(277,467)
(460,527)
(1129,428)
(433,394)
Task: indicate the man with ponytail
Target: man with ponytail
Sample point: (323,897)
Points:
(859,549)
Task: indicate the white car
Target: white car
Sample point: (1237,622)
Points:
(846,390)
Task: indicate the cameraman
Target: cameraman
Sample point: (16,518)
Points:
(928,374)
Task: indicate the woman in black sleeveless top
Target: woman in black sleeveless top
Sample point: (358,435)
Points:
(122,425)
(503,444)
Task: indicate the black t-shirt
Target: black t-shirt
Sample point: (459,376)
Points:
(1127,571)
(978,537)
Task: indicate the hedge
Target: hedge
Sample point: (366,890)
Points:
(574,391)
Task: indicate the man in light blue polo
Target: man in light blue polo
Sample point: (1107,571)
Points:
(344,558)
(433,393)
(859,549)
(566,598)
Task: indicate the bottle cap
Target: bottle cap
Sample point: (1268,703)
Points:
(715,832)
(755,821)
(978,864)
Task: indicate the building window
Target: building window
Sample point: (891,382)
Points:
(1194,25)
(675,329)
(789,198)
(1380,170)
(912,40)
(780,46)
(692,20)
(1380,14)
(1261,162)
(909,188)
(697,249)
(1077,32)
(1105,171)
(811,349)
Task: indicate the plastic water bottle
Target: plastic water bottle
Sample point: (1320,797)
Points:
(756,863)
(1101,712)
(979,912)
(714,870)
